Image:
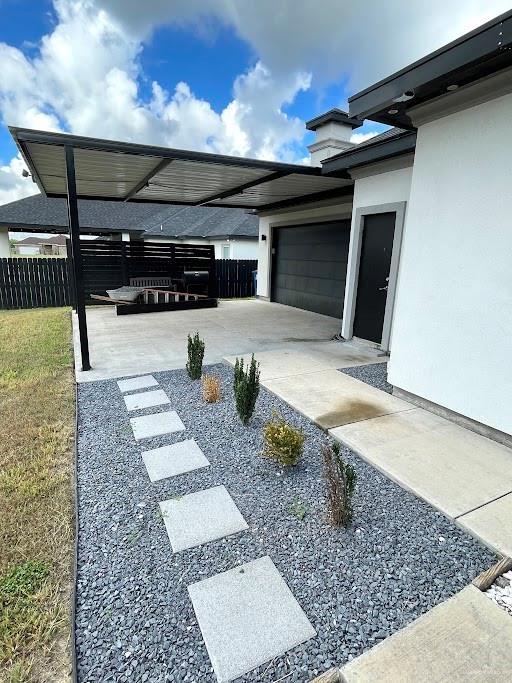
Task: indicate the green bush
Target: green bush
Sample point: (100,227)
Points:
(246,386)
(340,480)
(195,356)
(282,442)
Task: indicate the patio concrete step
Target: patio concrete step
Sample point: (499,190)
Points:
(466,638)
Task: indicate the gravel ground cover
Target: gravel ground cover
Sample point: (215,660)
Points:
(134,619)
(376,375)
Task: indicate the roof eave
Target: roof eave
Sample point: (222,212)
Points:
(484,50)
(403,143)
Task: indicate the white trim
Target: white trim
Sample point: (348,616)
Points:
(349,310)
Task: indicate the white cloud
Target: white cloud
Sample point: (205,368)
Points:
(363,137)
(332,39)
(85,77)
(12,184)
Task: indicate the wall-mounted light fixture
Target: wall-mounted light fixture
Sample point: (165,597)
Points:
(263,238)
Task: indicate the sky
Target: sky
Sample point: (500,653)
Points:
(236,77)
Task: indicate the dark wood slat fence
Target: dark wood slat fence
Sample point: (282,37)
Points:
(42,282)
(34,283)
(235,278)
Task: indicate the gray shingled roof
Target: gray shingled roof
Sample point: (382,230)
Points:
(97,216)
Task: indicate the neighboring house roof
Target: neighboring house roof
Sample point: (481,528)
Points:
(57,240)
(44,214)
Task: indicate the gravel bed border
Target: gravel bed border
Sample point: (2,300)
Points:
(134,619)
(374,374)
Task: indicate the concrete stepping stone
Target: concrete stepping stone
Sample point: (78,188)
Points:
(248,616)
(168,461)
(137,383)
(146,399)
(201,517)
(156,424)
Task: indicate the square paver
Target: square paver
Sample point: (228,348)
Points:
(168,461)
(137,383)
(146,399)
(156,424)
(248,616)
(201,517)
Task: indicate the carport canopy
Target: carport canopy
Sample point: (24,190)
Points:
(75,167)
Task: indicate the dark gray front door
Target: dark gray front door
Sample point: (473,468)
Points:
(374,265)
(309,266)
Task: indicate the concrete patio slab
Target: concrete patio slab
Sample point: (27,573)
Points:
(137,383)
(492,524)
(146,399)
(452,468)
(466,638)
(330,398)
(169,461)
(201,517)
(152,342)
(320,356)
(157,424)
(248,616)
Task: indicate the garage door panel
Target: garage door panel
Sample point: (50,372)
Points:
(310,265)
(326,270)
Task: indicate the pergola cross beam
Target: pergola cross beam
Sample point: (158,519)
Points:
(240,188)
(142,183)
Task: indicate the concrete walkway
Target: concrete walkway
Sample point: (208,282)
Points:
(465,639)
(466,476)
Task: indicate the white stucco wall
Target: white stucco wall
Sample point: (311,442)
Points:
(5,250)
(378,189)
(452,326)
(334,212)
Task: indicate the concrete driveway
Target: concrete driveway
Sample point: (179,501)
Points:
(150,342)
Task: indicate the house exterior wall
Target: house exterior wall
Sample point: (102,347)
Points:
(339,211)
(5,247)
(453,314)
(380,189)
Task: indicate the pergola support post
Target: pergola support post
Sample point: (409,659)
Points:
(74,230)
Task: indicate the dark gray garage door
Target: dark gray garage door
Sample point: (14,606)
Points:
(309,266)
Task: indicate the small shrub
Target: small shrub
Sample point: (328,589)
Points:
(340,480)
(298,509)
(282,442)
(195,356)
(211,389)
(246,385)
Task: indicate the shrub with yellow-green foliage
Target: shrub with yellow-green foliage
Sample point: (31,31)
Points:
(283,442)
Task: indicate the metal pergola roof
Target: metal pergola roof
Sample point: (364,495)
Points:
(121,171)
(76,167)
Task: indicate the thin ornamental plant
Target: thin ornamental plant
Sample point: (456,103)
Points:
(195,356)
(340,482)
(246,386)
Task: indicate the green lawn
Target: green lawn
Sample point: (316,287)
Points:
(36,500)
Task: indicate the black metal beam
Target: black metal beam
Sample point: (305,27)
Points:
(485,50)
(74,229)
(307,199)
(159,167)
(240,188)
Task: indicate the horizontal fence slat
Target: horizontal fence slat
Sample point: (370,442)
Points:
(46,282)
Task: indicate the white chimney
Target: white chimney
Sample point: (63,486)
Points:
(333,132)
